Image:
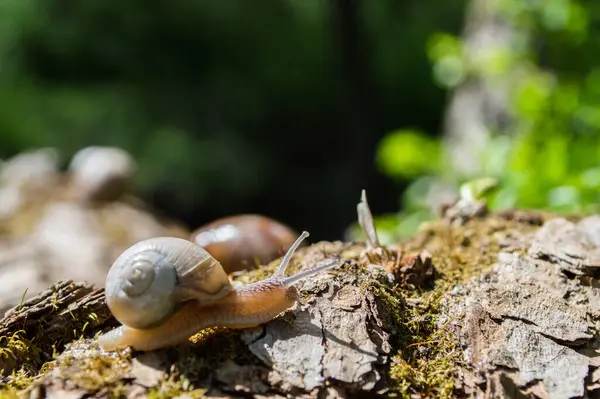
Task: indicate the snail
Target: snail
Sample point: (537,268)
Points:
(165,289)
(240,242)
(101,174)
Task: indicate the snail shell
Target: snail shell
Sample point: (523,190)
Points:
(149,282)
(240,241)
(101,174)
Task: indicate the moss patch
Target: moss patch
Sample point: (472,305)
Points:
(460,252)
(426,353)
(173,386)
(17,348)
(33,335)
(91,370)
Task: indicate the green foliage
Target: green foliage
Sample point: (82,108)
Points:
(548,155)
(419,154)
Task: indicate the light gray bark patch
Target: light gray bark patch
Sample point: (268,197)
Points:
(148,369)
(574,247)
(527,328)
(544,311)
(294,352)
(517,346)
(336,338)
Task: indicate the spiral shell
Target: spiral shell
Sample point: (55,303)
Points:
(151,279)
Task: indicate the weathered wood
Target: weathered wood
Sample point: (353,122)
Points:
(528,327)
(338,340)
(62,313)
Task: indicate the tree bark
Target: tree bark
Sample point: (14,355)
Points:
(512,311)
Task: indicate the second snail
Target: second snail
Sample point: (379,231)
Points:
(244,241)
(164,290)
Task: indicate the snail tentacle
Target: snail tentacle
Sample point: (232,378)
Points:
(289,281)
(285,262)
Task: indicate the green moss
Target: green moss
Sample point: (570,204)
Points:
(196,362)
(15,348)
(427,355)
(255,275)
(92,370)
(28,355)
(174,385)
(83,366)
(16,384)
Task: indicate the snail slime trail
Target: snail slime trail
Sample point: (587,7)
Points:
(196,294)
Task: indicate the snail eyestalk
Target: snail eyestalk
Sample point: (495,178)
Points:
(288,256)
(288,281)
(365,220)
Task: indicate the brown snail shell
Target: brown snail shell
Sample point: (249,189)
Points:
(243,241)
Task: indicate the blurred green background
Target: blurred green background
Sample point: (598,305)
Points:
(290,108)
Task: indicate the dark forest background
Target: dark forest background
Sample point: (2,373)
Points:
(273,107)
(277,107)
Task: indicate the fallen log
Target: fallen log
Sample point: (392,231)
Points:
(478,304)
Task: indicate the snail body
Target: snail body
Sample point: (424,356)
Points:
(246,307)
(240,241)
(205,301)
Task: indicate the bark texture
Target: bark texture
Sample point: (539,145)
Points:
(517,316)
(337,343)
(530,327)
